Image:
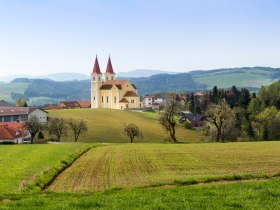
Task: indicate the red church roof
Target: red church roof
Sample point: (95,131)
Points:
(109,69)
(96,68)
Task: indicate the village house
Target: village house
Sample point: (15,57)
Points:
(13,132)
(21,114)
(110,93)
(152,102)
(69,104)
(197,121)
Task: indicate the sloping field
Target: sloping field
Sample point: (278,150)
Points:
(126,165)
(239,78)
(21,164)
(106,125)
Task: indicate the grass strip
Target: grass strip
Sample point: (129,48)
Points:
(46,177)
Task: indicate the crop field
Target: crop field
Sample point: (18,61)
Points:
(106,125)
(21,164)
(132,165)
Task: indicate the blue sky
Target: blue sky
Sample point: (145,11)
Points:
(47,36)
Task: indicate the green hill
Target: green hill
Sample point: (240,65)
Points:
(42,91)
(106,125)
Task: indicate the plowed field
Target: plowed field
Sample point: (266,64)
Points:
(126,165)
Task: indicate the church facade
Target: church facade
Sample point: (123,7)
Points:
(107,92)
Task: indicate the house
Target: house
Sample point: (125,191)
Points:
(51,107)
(152,102)
(5,104)
(85,104)
(197,121)
(13,132)
(110,93)
(69,104)
(21,114)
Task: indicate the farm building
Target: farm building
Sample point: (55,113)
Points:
(21,114)
(196,121)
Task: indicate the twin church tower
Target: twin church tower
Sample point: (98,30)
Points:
(107,92)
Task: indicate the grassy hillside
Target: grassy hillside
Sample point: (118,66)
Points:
(125,165)
(106,125)
(240,78)
(7,88)
(21,164)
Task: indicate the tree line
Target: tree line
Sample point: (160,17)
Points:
(56,127)
(231,114)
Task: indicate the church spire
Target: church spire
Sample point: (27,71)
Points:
(109,69)
(96,68)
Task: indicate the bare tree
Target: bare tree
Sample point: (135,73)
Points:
(33,126)
(57,127)
(78,127)
(132,131)
(167,117)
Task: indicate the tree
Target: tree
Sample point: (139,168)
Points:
(192,103)
(57,127)
(244,99)
(254,107)
(21,102)
(78,127)
(132,131)
(33,126)
(40,135)
(167,119)
(222,117)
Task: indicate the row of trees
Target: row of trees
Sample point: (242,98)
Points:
(57,127)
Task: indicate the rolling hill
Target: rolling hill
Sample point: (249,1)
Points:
(43,91)
(106,125)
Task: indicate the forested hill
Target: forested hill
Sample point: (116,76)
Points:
(42,91)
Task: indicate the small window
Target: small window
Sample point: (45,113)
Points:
(107,99)
(112,78)
(106,78)
(102,99)
(115,99)
(93,78)
(98,78)
(94,98)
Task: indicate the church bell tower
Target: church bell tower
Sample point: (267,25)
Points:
(96,82)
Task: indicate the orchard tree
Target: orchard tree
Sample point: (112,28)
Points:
(222,117)
(57,127)
(78,127)
(131,130)
(33,126)
(167,117)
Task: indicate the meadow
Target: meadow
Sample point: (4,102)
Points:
(134,165)
(253,78)
(31,166)
(241,195)
(106,125)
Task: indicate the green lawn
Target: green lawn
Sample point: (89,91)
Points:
(106,125)
(249,195)
(20,165)
(128,165)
